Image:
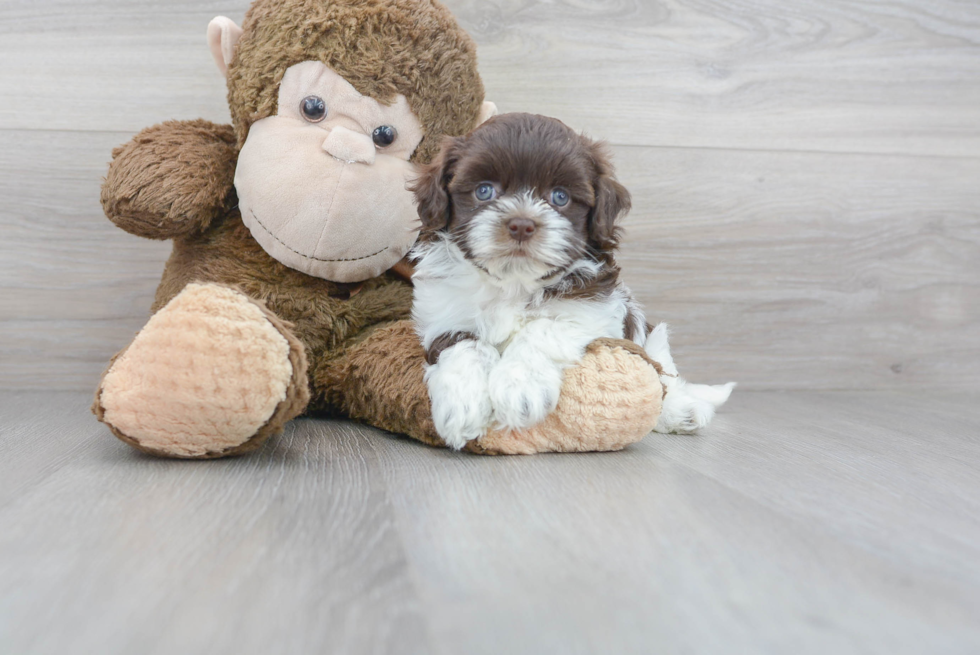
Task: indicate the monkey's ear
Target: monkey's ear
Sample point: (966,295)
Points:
(223,35)
(612,200)
(487,111)
(431,187)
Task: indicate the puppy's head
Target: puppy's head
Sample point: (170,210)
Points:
(523,196)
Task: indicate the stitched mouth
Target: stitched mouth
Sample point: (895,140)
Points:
(311,257)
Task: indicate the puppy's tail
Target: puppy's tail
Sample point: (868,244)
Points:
(658,348)
(715,394)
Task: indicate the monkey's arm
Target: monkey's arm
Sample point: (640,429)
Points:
(171,179)
(608,401)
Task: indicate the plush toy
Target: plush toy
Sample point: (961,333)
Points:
(286,292)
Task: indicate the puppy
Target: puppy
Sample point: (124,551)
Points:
(515,276)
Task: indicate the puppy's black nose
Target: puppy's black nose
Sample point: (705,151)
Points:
(521,229)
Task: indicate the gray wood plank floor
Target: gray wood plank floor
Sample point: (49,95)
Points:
(834,522)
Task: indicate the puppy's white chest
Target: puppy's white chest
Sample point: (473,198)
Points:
(501,320)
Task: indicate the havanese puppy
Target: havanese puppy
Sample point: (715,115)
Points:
(515,276)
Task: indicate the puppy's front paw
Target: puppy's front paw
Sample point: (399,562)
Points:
(461,418)
(523,395)
(457,385)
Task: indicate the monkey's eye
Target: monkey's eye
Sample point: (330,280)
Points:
(559,197)
(485,192)
(313,108)
(384,136)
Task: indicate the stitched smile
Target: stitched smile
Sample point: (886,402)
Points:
(310,257)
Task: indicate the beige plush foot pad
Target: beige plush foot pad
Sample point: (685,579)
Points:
(610,400)
(211,374)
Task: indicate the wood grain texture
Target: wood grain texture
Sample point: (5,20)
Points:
(844,522)
(779,270)
(794,524)
(782,255)
(74,288)
(895,77)
(110,551)
(804,270)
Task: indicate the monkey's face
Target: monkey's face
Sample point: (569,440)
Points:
(322,184)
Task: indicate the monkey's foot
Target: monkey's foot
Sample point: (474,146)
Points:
(611,399)
(211,374)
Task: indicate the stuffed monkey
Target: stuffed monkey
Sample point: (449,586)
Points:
(286,292)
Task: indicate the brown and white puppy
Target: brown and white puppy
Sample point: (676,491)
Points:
(516,275)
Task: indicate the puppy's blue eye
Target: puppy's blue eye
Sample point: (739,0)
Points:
(559,197)
(314,109)
(485,192)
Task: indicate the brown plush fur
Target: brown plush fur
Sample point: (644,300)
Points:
(319,311)
(171,179)
(383,385)
(322,314)
(175,181)
(382,47)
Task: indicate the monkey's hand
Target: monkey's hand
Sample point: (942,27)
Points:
(171,179)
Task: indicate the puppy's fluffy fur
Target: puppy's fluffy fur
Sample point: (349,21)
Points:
(515,276)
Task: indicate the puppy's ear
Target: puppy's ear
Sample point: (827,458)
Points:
(431,188)
(612,200)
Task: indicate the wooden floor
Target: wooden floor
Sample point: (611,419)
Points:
(800,522)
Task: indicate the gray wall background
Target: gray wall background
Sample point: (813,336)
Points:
(806,175)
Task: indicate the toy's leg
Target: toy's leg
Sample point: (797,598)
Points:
(610,400)
(211,374)
(379,381)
